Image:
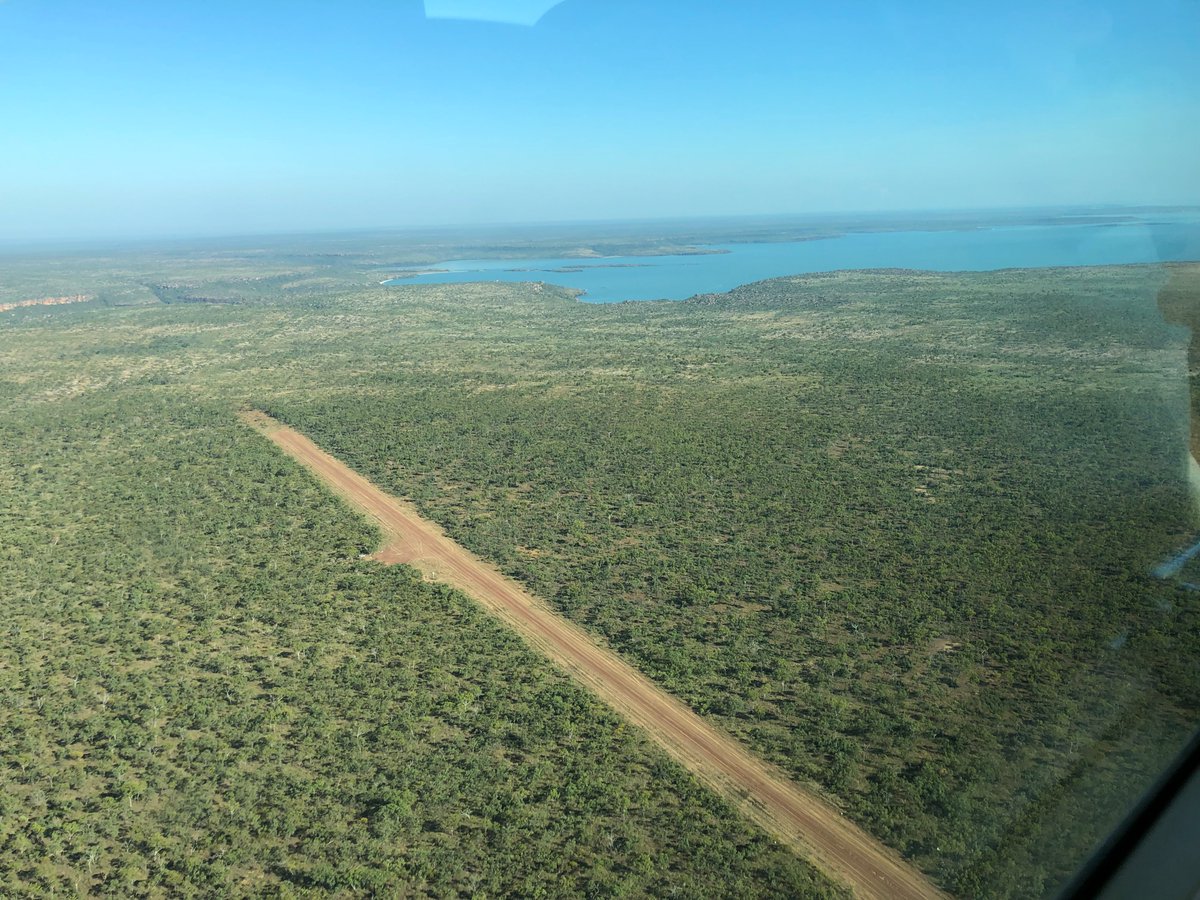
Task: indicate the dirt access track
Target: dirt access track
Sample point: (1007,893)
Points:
(793,815)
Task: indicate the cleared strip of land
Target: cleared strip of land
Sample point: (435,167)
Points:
(792,814)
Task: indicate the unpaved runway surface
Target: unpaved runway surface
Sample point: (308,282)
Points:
(791,814)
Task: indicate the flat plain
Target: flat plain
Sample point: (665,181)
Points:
(890,530)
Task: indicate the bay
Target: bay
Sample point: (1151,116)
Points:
(613,279)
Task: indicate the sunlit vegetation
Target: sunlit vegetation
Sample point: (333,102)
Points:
(204,690)
(892,530)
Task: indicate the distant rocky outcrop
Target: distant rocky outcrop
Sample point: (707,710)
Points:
(47,301)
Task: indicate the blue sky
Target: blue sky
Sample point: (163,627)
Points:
(142,118)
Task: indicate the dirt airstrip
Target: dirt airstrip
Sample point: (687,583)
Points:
(793,815)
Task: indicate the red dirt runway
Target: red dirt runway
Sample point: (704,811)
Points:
(793,815)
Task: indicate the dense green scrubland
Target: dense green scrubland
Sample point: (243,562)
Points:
(204,692)
(891,529)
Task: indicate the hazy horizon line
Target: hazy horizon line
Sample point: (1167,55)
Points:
(514,224)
